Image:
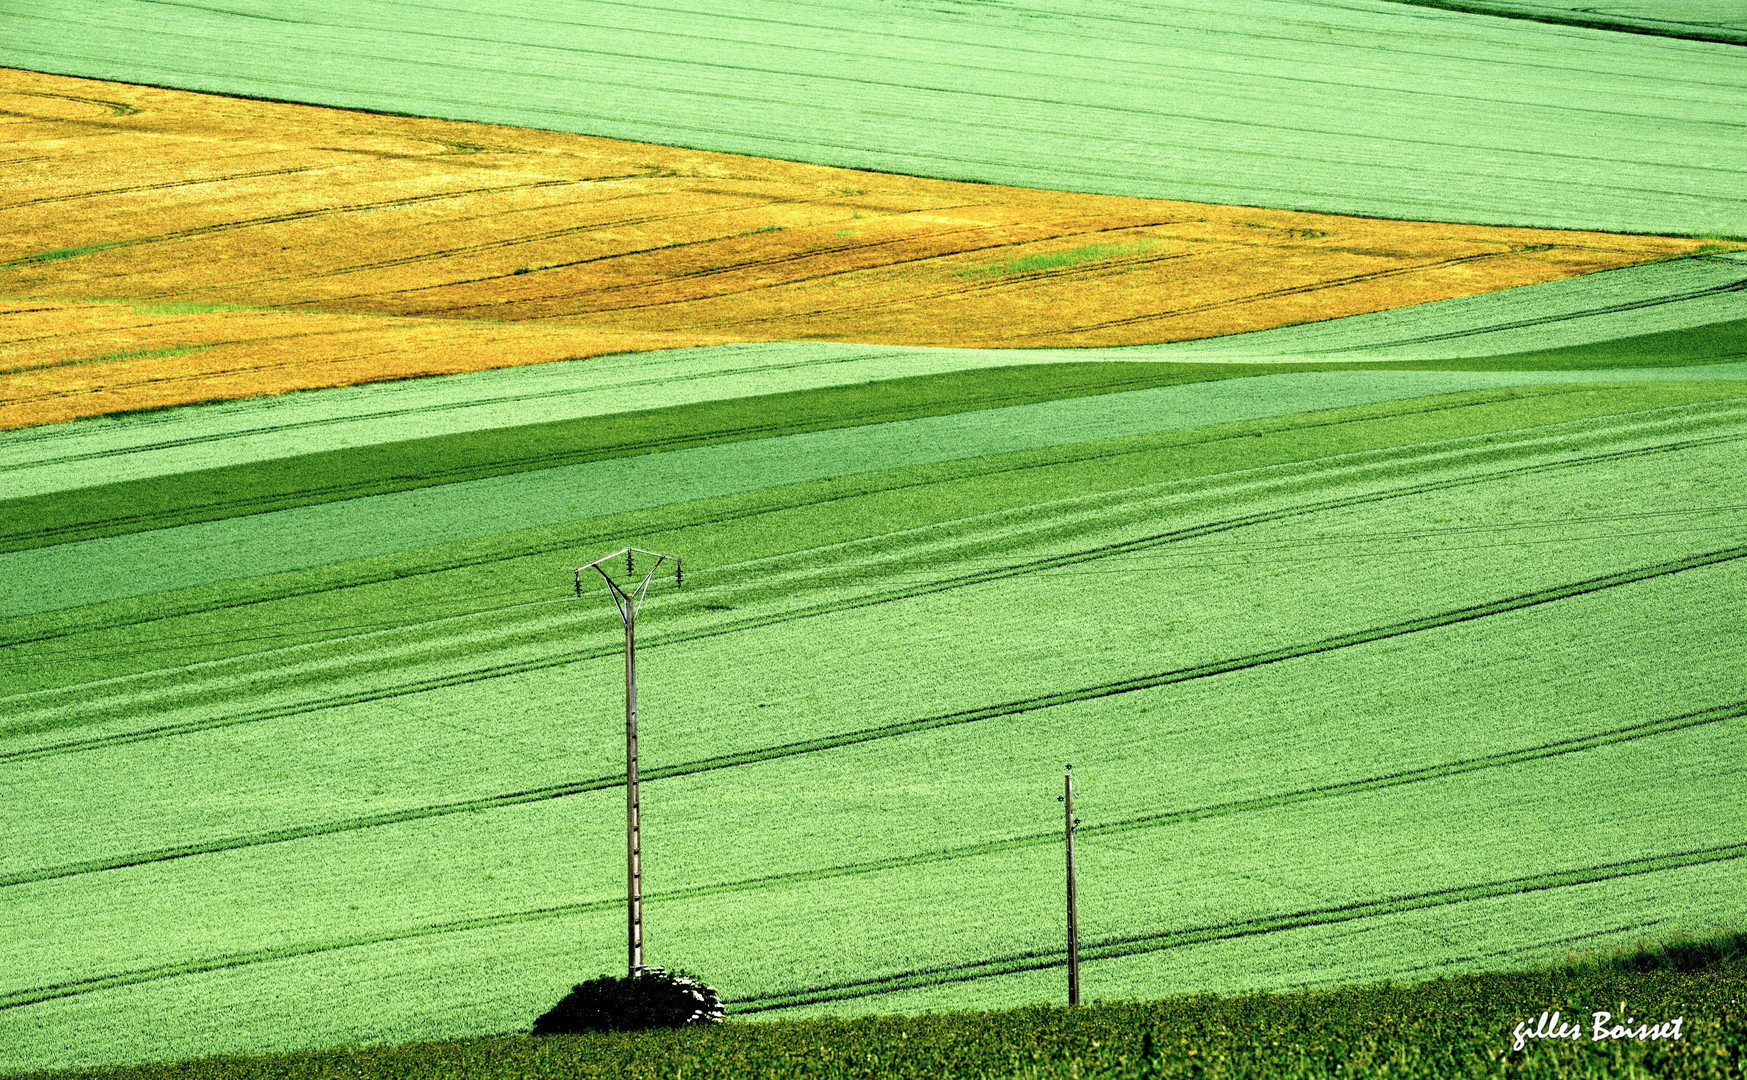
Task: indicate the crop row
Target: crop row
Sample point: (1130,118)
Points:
(1597,310)
(218,492)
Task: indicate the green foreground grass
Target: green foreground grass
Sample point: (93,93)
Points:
(1462,1026)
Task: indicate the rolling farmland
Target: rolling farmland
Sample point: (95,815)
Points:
(344,779)
(1380,578)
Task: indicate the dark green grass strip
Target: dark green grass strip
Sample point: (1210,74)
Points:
(1108,948)
(1451,768)
(1116,947)
(1591,19)
(355,472)
(1716,343)
(886,731)
(888,595)
(328,476)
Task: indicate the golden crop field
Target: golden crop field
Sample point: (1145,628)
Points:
(162,247)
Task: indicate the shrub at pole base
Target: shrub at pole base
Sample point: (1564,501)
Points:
(651,998)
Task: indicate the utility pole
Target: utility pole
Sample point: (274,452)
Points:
(629,602)
(1069,821)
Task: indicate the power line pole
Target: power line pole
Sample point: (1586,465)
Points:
(629,602)
(1069,821)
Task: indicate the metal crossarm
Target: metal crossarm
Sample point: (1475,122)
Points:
(628,602)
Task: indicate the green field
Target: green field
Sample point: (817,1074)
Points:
(1365,673)
(1363,107)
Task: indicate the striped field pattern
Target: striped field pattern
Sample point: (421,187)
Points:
(1381,577)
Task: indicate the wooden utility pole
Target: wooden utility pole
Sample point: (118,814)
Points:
(1069,821)
(629,602)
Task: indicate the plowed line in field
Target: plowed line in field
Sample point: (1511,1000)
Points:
(1116,947)
(1296,290)
(25,435)
(321,211)
(973,289)
(113,108)
(777,618)
(1591,19)
(742,267)
(1548,750)
(165,186)
(861,247)
(349,631)
(197,376)
(529,238)
(1548,320)
(887,731)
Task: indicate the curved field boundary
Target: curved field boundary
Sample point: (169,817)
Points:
(1111,948)
(851,738)
(885,594)
(1557,748)
(1258,102)
(1613,18)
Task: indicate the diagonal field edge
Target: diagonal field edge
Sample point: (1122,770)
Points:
(1510,757)
(831,607)
(1116,947)
(1596,19)
(885,731)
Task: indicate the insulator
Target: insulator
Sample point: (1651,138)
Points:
(628,569)
(677,579)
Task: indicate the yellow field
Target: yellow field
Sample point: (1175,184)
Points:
(369,247)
